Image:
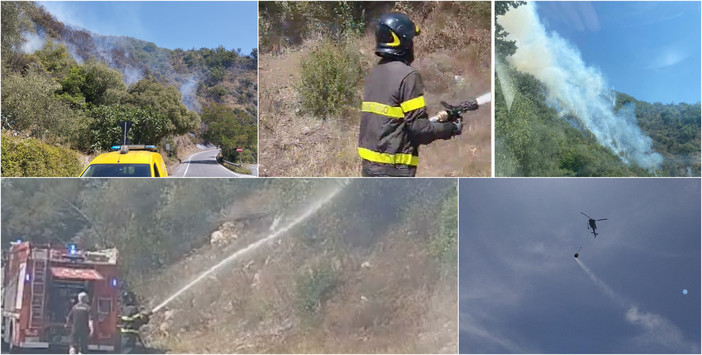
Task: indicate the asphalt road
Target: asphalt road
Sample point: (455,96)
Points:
(204,164)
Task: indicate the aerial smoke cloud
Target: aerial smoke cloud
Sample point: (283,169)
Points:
(575,89)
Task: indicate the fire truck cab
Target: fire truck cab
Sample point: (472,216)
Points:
(40,286)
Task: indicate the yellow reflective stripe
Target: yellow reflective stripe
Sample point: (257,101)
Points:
(387,158)
(125,330)
(382,109)
(395,40)
(413,104)
(127,319)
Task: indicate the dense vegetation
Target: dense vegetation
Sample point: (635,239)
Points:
(30,157)
(74,87)
(331,75)
(533,139)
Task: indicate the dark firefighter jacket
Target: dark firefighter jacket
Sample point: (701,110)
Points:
(79,318)
(131,320)
(394,121)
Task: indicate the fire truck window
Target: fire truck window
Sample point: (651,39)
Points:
(104,306)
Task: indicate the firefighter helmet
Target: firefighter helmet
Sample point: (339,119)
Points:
(393,36)
(128,298)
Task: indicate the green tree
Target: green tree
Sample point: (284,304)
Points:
(229,129)
(28,105)
(103,85)
(55,59)
(148,125)
(166,100)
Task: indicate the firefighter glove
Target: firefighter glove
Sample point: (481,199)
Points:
(469,105)
(457,127)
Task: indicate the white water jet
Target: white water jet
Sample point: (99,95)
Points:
(505,83)
(603,286)
(484,98)
(305,215)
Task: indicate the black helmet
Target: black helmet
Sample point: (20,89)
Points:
(393,36)
(128,297)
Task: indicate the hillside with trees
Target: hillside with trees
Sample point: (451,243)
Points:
(532,138)
(68,88)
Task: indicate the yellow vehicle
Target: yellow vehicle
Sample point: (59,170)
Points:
(127,161)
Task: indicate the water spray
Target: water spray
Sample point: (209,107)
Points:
(455,112)
(308,212)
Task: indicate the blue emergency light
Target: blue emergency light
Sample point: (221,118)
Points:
(113,282)
(27,277)
(19,240)
(115,147)
(72,249)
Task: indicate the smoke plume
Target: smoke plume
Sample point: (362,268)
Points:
(658,330)
(574,88)
(33,42)
(187,92)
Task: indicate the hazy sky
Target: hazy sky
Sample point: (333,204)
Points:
(649,50)
(521,289)
(168,24)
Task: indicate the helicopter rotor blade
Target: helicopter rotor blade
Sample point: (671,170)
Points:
(585,215)
(603,219)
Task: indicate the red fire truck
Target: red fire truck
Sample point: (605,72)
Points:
(40,285)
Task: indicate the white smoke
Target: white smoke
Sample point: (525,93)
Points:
(657,329)
(187,92)
(132,75)
(33,42)
(575,88)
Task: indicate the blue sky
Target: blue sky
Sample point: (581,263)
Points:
(649,50)
(185,25)
(522,291)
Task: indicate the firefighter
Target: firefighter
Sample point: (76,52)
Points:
(80,321)
(131,320)
(394,119)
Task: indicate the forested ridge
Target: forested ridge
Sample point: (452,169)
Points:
(532,138)
(67,88)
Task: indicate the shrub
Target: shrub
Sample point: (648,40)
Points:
(329,79)
(30,157)
(314,288)
(444,244)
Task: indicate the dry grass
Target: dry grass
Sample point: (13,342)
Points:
(391,297)
(453,43)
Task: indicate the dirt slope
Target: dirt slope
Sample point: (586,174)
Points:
(454,61)
(340,283)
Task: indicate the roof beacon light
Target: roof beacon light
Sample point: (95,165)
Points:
(113,282)
(72,249)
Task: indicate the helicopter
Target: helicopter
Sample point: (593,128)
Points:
(592,227)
